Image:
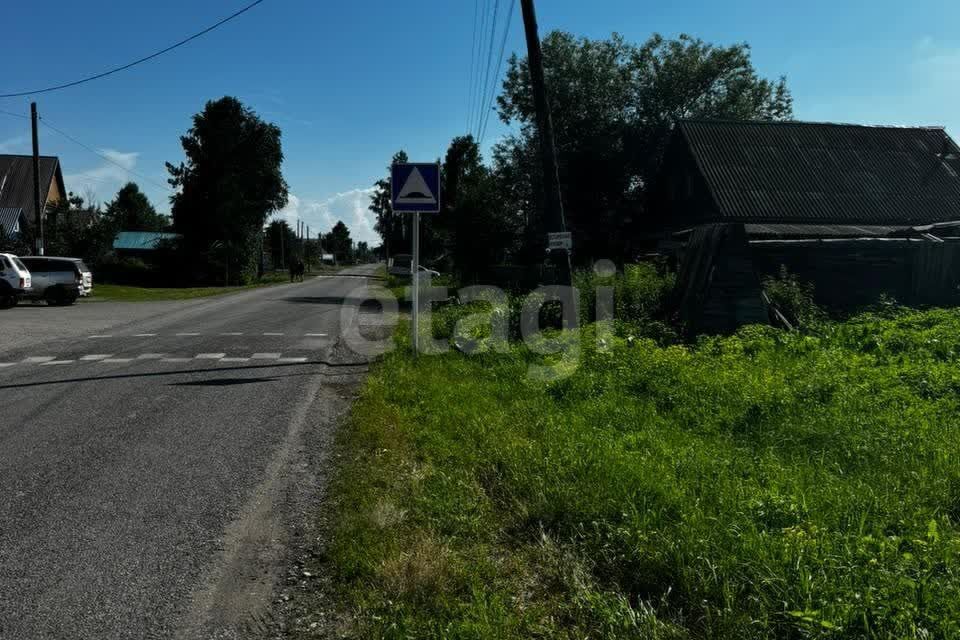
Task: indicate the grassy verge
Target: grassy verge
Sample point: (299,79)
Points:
(764,485)
(124,293)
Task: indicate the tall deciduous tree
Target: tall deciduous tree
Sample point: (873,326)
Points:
(338,242)
(131,210)
(282,242)
(474,226)
(390,224)
(231,181)
(614,105)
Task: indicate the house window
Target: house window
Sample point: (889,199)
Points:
(16,227)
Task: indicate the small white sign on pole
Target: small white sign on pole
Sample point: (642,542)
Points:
(559,241)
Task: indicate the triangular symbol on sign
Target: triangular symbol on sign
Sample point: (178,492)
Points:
(415,190)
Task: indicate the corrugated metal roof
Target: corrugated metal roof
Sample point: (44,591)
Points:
(16,182)
(826,231)
(141,240)
(826,173)
(9,216)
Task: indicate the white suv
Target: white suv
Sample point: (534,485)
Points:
(14,280)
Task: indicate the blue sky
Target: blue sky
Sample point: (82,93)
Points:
(351,82)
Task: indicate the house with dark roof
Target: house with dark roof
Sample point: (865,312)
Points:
(16,185)
(858,211)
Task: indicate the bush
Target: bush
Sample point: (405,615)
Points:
(794,299)
(128,271)
(641,294)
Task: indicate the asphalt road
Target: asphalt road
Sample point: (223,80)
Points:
(156,458)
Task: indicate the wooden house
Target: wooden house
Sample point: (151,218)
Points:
(857,211)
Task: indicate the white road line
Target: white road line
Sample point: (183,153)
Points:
(56,362)
(273,334)
(234,359)
(38,359)
(117,360)
(99,337)
(292,360)
(4,365)
(187,335)
(96,356)
(266,356)
(211,356)
(150,356)
(179,360)
(316,335)
(233,333)
(145,335)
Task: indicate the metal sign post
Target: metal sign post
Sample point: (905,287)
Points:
(415,279)
(415,188)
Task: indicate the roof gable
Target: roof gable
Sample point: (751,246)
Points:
(16,181)
(826,173)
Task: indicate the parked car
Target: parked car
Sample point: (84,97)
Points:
(401,267)
(15,280)
(58,281)
(86,278)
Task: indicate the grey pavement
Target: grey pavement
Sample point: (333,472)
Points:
(153,457)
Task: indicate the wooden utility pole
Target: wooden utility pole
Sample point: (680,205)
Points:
(553,203)
(38,210)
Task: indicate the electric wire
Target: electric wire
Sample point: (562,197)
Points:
(124,67)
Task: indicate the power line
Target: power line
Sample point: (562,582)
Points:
(493,88)
(473,62)
(486,79)
(15,115)
(105,157)
(475,95)
(135,62)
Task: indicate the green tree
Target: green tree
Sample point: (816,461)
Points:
(390,225)
(613,105)
(231,181)
(75,228)
(474,228)
(131,210)
(338,242)
(282,243)
(363,253)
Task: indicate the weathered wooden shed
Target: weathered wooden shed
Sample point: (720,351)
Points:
(857,211)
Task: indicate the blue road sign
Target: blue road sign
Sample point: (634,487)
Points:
(416,187)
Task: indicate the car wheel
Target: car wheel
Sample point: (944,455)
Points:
(54,298)
(7,302)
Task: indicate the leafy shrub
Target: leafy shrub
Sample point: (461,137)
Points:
(640,295)
(794,299)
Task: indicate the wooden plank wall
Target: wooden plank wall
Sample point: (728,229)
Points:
(852,274)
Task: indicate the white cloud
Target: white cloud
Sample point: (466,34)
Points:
(321,215)
(105,179)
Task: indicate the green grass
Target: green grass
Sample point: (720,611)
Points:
(123,293)
(763,485)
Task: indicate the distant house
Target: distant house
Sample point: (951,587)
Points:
(16,185)
(858,211)
(140,243)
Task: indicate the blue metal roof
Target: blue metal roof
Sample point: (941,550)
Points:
(141,240)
